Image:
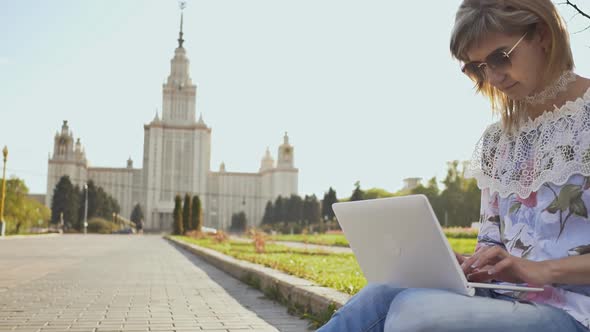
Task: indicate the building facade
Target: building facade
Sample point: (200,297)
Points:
(176,161)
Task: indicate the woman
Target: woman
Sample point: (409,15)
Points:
(533,167)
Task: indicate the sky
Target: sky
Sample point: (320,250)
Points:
(367,90)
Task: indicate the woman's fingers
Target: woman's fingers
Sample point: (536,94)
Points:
(491,256)
(467,263)
(479,276)
(460,258)
(484,256)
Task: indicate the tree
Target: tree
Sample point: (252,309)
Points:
(329,199)
(577,9)
(115,204)
(461,197)
(197,214)
(293,209)
(20,212)
(106,205)
(374,193)
(311,210)
(76,222)
(177,216)
(187,215)
(33,214)
(471,201)
(451,197)
(103,208)
(268,217)
(432,192)
(279,210)
(64,202)
(357,193)
(136,214)
(94,201)
(100,203)
(81,204)
(238,223)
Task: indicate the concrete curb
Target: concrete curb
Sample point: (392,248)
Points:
(31,236)
(301,293)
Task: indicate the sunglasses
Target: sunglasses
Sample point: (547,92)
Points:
(497,61)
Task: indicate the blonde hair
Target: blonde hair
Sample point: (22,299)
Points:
(476,18)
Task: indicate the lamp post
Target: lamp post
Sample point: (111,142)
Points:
(85,208)
(2,222)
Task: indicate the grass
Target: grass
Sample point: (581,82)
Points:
(338,271)
(339,240)
(463,246)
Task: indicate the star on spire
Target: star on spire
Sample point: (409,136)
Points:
(182,5)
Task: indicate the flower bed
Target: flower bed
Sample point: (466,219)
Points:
(339,240)
(338,271)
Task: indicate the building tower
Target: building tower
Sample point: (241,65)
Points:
(68,159)
(285,175)
(177,148)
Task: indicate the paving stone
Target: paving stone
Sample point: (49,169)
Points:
(96,283)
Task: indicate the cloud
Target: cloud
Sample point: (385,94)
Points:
(4,61)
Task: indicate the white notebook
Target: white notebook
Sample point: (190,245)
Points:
(399,241)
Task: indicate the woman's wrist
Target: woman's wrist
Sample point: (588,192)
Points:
(551,271)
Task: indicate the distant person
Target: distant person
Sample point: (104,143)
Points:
(139,226)
(533,170)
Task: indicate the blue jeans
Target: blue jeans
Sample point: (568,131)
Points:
(379,307)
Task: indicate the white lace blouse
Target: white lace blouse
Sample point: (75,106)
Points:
(536,195)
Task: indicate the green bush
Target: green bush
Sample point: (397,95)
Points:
(461,232)
(101,226)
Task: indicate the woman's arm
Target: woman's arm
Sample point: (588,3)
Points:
(569,270)
(500,265)
(489,221)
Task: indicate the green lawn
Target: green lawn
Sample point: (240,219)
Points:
(340,240)
(323,239)
(338,271)
(463,246)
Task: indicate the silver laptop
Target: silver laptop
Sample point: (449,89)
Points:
(399,241)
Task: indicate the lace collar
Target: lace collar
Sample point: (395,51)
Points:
(550,148)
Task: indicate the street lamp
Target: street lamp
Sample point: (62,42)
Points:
(86,209)
(2,222)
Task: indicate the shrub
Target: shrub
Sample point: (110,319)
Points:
(196,234)
(259,240)
(101,226)
(221,237)
(461,232)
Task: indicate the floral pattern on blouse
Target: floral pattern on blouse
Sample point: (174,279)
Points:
(550,223)
(547,162)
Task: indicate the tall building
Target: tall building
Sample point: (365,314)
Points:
(176,161)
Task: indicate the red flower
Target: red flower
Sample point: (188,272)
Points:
(530,201)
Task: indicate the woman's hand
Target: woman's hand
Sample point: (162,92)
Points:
(460,258)
(494,262)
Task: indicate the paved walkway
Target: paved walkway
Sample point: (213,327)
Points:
(105,283)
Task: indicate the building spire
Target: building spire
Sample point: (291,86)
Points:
(182,5)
